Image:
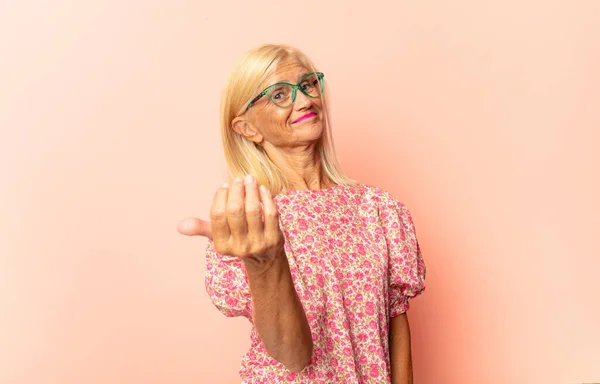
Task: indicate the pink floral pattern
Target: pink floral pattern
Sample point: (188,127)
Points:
(355,261)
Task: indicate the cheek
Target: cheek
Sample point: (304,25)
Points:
(273,121)
(319,103)
(283,116)
(278,118)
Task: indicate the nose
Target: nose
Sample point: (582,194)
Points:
(302,101)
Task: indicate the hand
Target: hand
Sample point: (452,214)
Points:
(239,225)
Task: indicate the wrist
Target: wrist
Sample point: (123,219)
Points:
(263,265)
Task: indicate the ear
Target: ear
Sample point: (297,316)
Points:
(245,129)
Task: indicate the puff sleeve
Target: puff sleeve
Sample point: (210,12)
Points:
(226,284)
(406,265)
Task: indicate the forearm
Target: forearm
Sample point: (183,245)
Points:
(400,351)
(278,314)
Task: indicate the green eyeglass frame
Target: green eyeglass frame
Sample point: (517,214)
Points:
(295,88)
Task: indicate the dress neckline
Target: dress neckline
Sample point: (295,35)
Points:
(322,191)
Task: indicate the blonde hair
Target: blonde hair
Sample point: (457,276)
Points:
(246,157)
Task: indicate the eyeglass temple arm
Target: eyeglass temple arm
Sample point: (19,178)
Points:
(255,100)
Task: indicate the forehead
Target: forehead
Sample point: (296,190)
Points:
(289,71)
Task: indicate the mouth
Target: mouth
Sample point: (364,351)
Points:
(302,118)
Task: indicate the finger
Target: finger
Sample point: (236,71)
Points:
(195,227)
(218,215)
(236,216)
(253,208)
(271,226)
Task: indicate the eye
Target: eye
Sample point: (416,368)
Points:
(306,85)
(280,93)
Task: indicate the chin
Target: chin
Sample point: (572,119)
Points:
(316,131)
(315,128)
(308,132)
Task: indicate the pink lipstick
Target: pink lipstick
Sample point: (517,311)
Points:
(307,116)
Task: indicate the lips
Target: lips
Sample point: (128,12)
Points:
(307,116)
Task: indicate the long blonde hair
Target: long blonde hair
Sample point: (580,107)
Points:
(244,156)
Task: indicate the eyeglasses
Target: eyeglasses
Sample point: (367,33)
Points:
(284,94)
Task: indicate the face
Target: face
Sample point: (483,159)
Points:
(300,124)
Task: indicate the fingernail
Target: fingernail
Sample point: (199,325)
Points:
(249,179)
(237,180)
(226,185)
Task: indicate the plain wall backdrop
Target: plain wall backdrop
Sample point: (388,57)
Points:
(483,117)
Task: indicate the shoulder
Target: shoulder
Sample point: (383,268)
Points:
(378,195)
(391,212)
(383,204)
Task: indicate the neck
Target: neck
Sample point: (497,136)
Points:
(301,166)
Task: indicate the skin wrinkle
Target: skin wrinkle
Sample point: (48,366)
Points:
(290,146)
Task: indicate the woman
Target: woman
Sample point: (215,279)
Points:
(323,267)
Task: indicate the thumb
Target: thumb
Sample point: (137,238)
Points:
(195,227)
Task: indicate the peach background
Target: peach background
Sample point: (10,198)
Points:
(481,116)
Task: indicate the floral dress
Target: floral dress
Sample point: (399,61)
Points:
(355,262)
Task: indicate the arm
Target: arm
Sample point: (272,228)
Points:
(400,350)
(244,224)
(267,297)
(278,314)
(407,280)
